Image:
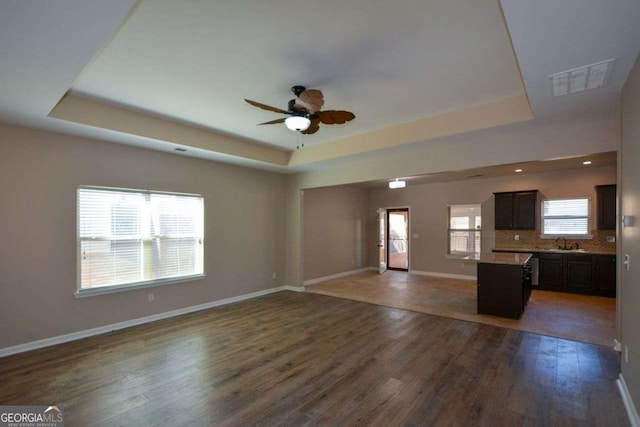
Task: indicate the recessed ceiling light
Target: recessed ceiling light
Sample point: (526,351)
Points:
(518,170)
(586,162)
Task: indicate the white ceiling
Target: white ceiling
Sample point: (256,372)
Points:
(191,64)
(198,63)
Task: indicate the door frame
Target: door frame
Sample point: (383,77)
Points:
(386,210)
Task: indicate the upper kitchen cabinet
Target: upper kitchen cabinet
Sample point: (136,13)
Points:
(516,210)
(606,195)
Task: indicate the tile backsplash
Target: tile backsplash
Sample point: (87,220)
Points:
(530,239)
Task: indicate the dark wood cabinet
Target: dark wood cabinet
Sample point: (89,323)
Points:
(551,271)
(524,210)
(579,273)
(606,206)
(516,210)
(503,289)
(604,274)
(578,268)
(504,211)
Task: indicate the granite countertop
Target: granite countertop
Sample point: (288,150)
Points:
(512,258)
(556,251)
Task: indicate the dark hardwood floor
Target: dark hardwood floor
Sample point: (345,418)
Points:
(304,359)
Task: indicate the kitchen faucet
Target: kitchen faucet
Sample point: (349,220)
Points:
(564,246)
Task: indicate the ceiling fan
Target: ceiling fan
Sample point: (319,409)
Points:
(304,112)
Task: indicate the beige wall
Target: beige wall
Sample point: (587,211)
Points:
(335,236)
(39,174)
(629,292)
(528,141)
(429,209)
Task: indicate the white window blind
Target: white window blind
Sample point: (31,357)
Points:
(464,229)
(565,217)
(128,237)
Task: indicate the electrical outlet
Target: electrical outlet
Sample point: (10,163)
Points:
(150,297)
(611,239)
(517,237)
(273,276)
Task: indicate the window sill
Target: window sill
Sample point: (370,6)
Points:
(470,258)
(103,290)
(567,236)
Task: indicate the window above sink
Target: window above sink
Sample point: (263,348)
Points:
(566,218)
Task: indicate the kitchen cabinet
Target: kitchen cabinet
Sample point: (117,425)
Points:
(503,289)
(551,271)
(578,273)
(606,206)
(516,210)
(578,268)
(604,274)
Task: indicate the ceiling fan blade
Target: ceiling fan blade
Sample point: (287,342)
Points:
(311,100)
(266,107)
(273,122)
(335,117)
(313,127)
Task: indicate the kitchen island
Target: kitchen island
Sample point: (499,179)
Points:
(504,283)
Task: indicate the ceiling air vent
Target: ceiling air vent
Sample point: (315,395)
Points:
(583,78)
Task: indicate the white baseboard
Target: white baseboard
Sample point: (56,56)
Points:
(293,288)
(634,419)
(21,348)
(335,276)
(445,275)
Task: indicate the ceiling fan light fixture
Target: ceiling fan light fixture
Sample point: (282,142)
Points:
(297,123)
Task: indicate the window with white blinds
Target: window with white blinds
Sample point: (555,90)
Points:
(465,224)
(565,217)
(132,237)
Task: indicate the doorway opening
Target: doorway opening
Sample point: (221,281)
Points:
(398,239)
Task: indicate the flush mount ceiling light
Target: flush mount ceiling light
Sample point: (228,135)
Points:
(586,162)
(397,184)
(297,123)
(583,78)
